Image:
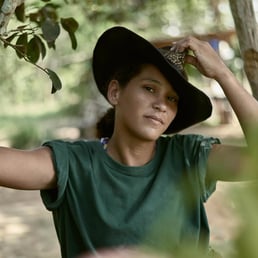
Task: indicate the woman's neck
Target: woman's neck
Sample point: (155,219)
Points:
(131,152)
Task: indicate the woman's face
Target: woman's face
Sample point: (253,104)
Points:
(146,106)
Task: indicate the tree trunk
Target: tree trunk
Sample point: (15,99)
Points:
(7,10)
(247,33)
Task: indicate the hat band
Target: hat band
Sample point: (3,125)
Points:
(176,58)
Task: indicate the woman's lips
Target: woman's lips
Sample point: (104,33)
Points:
(156,119)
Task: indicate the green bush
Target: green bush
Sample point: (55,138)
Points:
(27,136)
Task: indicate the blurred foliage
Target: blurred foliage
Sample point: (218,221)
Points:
(27,136)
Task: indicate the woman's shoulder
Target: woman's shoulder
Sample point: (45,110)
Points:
(184,137)
(187,141)
(180,138)
(72,145)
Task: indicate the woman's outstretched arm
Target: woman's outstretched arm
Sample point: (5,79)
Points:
(27,169)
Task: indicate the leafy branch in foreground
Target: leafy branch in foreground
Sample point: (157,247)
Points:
(30,44)
(26,52)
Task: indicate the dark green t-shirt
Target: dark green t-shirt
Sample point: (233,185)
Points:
(100,203)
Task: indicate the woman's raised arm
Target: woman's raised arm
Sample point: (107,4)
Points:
(226,162)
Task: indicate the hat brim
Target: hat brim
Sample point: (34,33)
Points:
(119,44)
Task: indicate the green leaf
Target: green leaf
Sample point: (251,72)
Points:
(35,17)
(21,45)
(73,40)
(69,24)
(52,45)
(20,12)
(41,46)
(33,51)
(51,30)
(10,38)
(49,11)
(56,82)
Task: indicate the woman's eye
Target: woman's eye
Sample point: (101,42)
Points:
(173,99)
(148,88)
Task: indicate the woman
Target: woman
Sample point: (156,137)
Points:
(138,185)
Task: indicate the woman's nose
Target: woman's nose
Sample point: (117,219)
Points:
(159,105)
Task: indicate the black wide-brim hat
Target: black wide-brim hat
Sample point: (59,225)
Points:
(118,45)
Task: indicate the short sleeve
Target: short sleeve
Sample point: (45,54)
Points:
(52,198)
(196,153)
(207,187)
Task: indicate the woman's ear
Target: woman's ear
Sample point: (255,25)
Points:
(113,92)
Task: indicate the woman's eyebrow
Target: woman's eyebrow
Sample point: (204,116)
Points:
(159,83)
(152,80)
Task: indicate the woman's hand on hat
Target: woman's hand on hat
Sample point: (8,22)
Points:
(202,56)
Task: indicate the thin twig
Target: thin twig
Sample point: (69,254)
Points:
(24,56)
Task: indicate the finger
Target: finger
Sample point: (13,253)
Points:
(192,60)
(185,44)
(189,59)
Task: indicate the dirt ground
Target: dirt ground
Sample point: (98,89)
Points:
(27,231)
